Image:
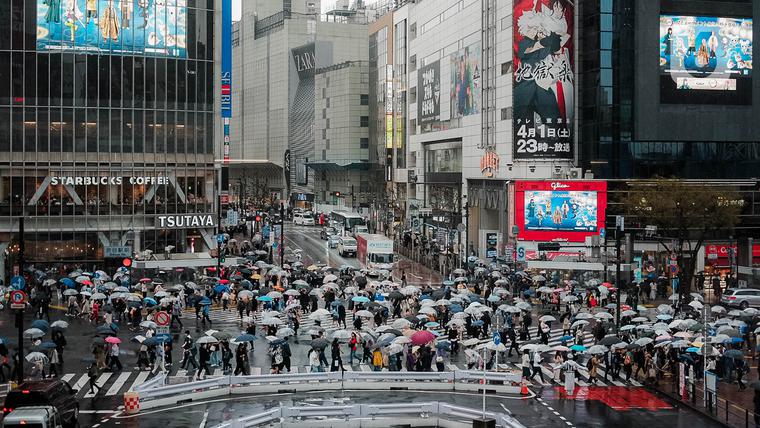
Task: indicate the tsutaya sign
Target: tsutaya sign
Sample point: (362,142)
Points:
(107,181)
(185,221)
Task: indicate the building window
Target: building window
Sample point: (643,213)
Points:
(413,127)
(412,62)
(413,95)
(412,31)
(506,113)
(327,124)
(364,99)
(364,121)
(364,143)
(327,102)
(506,68)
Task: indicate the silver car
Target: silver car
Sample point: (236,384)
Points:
(333,241)
(741,298)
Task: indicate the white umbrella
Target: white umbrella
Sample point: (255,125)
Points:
(206,339)
(402,340)
(718,309)
(364,314)
(696,304)
(319,313)
(401,323)
(603,316)
(579,323)
(271,321)
(285,332)
(644,341)
(584,316)
(597,349)
(341,334)
(547,318)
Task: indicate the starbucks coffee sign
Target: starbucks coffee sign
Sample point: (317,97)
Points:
(104,180)
(185,221)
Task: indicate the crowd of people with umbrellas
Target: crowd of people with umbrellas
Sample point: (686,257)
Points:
(393,325)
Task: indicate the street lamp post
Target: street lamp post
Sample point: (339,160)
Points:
(619,228)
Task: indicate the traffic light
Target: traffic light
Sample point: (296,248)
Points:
(127,262)
(222,255)
(258,218)
(337,194)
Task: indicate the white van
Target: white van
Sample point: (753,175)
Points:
(37,416)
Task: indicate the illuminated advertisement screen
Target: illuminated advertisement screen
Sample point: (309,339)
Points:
(117,27)
(554,210)
(560,210)
(700,54)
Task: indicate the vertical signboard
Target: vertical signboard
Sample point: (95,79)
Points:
(286,169)
(429,92)
(226,74)
(543,79)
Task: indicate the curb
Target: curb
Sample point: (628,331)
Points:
(691,406)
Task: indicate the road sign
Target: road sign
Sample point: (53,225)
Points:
(521,254)
(162,319)
(620,222)
(274,245)
(220,238)
(162,330)
(18,299)
(496,338)
(117,251)
(461,227)
(515,230)
(18,282)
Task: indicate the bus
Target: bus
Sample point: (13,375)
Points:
(346,221)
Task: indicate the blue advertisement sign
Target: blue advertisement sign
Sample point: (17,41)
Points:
(226,83)
(127,27)
(561,210)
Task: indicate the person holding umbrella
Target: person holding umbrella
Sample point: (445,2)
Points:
(113,352)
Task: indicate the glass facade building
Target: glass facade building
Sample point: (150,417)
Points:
(106,126)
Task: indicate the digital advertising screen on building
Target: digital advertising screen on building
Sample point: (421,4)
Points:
(544,80)
(126,27)
(705,59)
(560,210)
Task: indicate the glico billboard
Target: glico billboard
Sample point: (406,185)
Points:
(560,210)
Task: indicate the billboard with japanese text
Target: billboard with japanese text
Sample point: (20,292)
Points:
(543,79)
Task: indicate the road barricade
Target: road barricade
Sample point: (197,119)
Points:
(157,394)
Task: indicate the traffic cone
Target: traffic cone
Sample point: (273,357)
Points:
(524,389)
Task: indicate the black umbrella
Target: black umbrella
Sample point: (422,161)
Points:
(394,331)
(320,343)
(104,329)
(610,340)
(396,295)
(438,294)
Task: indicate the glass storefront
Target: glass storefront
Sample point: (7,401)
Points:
(98,139)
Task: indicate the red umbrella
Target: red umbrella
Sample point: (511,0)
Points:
(224,281)
(112,339)
(146,280)
(87,282)
(422,337)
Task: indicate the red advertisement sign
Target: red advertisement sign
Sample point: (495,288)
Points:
(555,210)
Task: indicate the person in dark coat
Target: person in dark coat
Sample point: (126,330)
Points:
(342,315)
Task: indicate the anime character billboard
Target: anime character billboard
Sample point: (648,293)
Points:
(543,79)
(705,53)
(117,27)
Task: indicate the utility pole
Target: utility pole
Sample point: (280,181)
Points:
(20,312)
(218,233)
(466,230)
(282,233)
(619,228)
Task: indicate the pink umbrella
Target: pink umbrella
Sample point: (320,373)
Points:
(422,337)
(111,339)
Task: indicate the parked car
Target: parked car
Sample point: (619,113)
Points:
(35,416)
(742,298)
(333,241)
(327,232)
(54,393)
(347,246)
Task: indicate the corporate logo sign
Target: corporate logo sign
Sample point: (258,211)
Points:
(185,221)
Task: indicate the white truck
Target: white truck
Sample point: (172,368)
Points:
(375,251)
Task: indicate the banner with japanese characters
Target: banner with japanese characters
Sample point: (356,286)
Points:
(543,79)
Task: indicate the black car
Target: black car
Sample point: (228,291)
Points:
(327,232)
(56,393)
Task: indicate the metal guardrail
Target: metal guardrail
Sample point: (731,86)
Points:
(156,394)
(157,381)
(369,411)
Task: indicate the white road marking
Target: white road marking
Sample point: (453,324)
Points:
(99,383)
(141,377)
(118,383)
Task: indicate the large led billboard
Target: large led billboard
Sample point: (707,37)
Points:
(560,210)
(117,27)
(705,59)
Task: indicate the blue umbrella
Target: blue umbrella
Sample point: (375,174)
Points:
(736,340)
(443,344)
(425,297)
(578,348)
(474,297)
(205,301)
(47,345)
(264,299)
(245,338)
(336,303)
(455,309)
(448,283)
(494,298)
(359,299)
(692,349)
(221,288)
(432,324)
(477,323)
(68,282)
(565,338)
(150,301)
(385,339)
(41,324)
(156,340)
